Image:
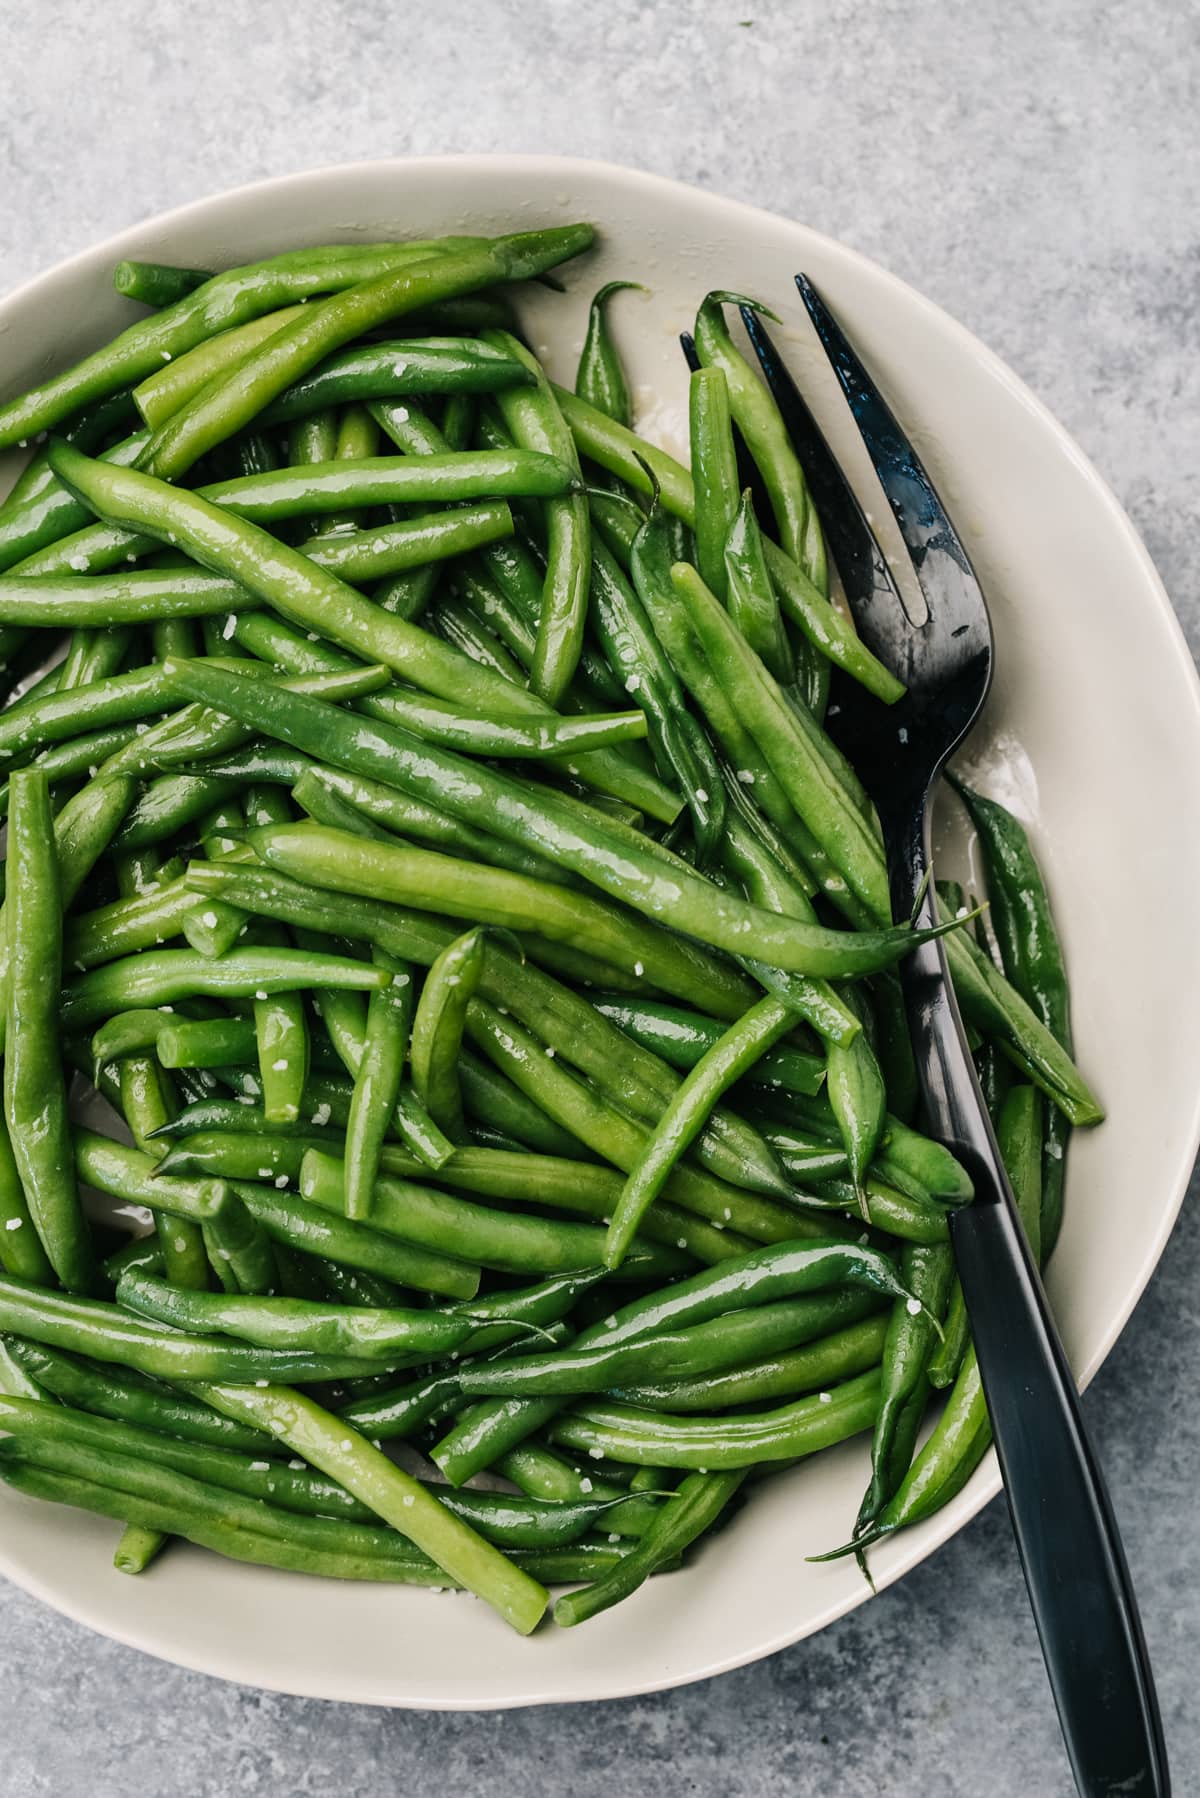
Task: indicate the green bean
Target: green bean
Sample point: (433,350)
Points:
(532,415)
(109,1333)
(454,1226)
(301,1225)
(121,699)
(137,1548)
(681,1037)
(285,1323)
(695,1508)
(680,748)
(206,1042)
(35,1095)
(133,597)
(125,926)
(82,755)
(330,1444)
(409,594)
(377,1084)
(316,599)
(1023,920)
(927,1271)
(884,1207)
(651,564)
(420,877)
(842,1334)
(127,1033)
(147,1101)
(491,800)
(368,555)
(92,655)
(620,451)
(157,283)
(437,1029)
(714,471)
(169,388)
(21,1251)
(439,722)
(378,371)
(709,1348)
(132,1176)
(766,438)
(129,1398)
(632,1077)
(282,1046)
(947,1355)
(33,522)
(600,378)
(731,1057)
(170,974)
(764,1275)
(565,1185)
(144,1253)
(540,1473)
(228,404)
(855,1089)
(997,1009)
(894,1047)
(749,594)
(495,1103)
(958,1441)
(400,1411)
(723,1443)
(1019,1134)
(613,1135)
(915,1161)
(357,441)
(649,470)
(841,832)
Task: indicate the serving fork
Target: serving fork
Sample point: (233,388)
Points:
(1067,1537)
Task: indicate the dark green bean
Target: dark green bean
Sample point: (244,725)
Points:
(1023,920)
(35,1094)
(600,378)
(927,1271)
(379,371)
(695,1508)
(130,1398)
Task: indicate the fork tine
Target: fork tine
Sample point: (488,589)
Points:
(924,524)
(858,558)
(748,475)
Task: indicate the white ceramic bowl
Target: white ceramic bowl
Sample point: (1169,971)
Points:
(1092,732)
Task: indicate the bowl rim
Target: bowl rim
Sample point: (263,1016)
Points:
(985,1483)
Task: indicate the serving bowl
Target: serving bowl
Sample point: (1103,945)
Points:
(1092,734)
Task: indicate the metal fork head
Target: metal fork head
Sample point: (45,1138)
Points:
(945,662)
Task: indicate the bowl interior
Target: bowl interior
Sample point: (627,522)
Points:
(1093,724)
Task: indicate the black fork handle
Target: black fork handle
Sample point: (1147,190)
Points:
(1067,1537)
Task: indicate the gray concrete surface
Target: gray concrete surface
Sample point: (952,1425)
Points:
(1031,167)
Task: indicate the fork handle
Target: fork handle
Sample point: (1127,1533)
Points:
(1067,1537)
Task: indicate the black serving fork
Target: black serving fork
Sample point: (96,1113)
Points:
(1070,1548)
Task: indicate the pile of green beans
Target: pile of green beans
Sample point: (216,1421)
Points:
(423,838)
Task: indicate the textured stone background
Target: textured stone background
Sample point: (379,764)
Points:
(1031,167)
